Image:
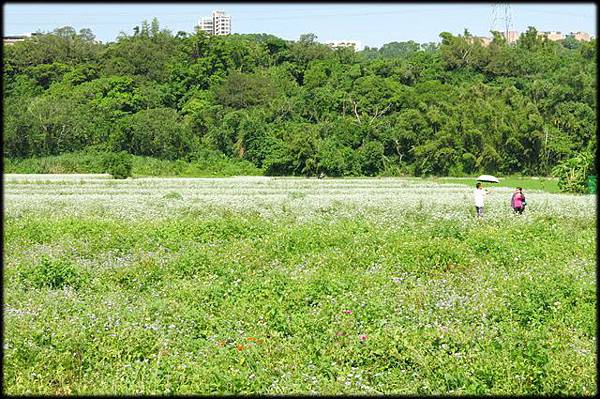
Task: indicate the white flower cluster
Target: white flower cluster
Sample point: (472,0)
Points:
(302,199)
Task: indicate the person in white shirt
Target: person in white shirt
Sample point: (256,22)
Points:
(479,198)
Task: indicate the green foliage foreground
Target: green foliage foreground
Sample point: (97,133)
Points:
(208,300)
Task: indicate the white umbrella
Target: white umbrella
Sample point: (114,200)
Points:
(488,178)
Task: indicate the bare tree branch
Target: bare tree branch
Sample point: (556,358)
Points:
(377,113)
(355,108)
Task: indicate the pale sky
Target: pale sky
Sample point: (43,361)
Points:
(372,24)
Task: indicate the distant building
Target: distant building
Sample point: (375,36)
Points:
(511,36)
(582,36)
(553,36)
(485,41)
(206,25)
(217,24)
(12,39)
(334,44)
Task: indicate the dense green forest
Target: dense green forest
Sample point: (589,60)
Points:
(301,108)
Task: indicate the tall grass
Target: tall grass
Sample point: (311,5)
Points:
(206,165)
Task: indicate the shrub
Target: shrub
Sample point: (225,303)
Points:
(372,157)
(336,160)
(173,195)
(119,165)
(573,173)
(54,274)
(85,161)
(155,132)
(206,162)
(469,162)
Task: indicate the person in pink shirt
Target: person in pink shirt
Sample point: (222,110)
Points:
(517,201)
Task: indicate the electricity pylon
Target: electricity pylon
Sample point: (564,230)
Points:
(501,18)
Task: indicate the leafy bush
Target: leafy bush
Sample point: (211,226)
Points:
(173,195)
(206,162)
(335,160)
(86,161)
(157,132)
(202,163)
(119,165)
(54,274)
(372,158)
(573,173)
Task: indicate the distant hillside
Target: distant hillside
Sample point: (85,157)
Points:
(301,108)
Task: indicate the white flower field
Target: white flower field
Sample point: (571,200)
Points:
(382,199)
(294,286)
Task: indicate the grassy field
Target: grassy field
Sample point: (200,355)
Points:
(547,184)
(294,286)
(214,165)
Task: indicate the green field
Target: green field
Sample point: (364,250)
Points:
(547,184)
(294,286)
(215,165)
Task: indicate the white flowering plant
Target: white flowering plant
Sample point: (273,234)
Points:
(292,285)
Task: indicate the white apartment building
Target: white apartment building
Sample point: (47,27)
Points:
(217,24)
(12,39)
(582,36)
(511,36)
(553,36)
(356,45)
(485,41)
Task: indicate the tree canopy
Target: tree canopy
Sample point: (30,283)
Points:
(302,108)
